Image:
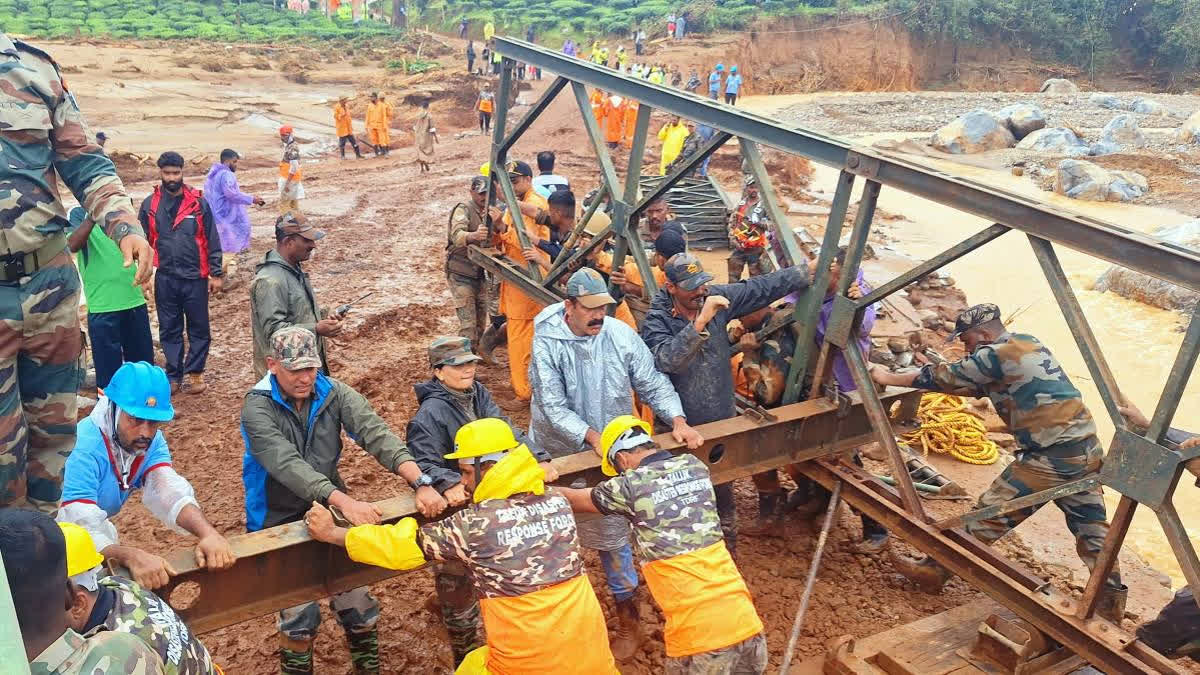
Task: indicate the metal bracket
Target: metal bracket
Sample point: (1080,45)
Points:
(1141,470)
(841,321)
(862,165)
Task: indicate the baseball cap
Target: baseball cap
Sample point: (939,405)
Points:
(101,134)
(295,348)
(518,168)
(479,184)
(451,350)
(588,287)
(669,243)
(684,270)
(973,316)
(597,223)
(295,223)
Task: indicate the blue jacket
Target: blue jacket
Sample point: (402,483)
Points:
(91,478)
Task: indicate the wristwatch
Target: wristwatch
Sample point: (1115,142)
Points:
(424,480)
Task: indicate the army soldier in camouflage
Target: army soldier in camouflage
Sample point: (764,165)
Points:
(35,562)
(712,626)
(292,423)
(1055,432)
(117,604)
(43,137)
(517,540)
(475,298)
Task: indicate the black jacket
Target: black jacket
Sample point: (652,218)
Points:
(431,431)
(189,249)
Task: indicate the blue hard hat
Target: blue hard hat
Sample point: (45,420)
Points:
(720,66)
(141,389)
(733,69)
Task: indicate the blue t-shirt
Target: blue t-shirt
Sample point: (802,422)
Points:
(714,82)
(90,476)
(733,84)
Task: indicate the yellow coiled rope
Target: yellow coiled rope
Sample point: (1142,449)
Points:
(948,427)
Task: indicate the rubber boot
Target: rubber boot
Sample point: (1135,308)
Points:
(490,340)
(295,656)
(364,652)
(1111,605)
(926,573)
(629,630)
(767,523)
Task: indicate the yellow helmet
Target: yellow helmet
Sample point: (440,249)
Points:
(484,437)
(619,435)
(485,169)
(81,550)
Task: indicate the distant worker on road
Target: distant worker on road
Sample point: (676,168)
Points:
(389,114)
(468,282)
(517,540)
(39,287)
(377,125)
(424,135)
(111,603)
(1053,427)
(486,105)
(344,123)
(291,179)
(121,448)
(187,255)
(292,423)
(228,204)
(733,85)
(714,82)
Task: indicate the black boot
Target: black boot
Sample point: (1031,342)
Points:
(1112,603)
(767,523)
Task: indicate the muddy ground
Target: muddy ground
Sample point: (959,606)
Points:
(386,228)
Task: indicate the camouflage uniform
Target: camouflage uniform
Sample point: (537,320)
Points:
(1055,431)
(475,295)
(107,652)
(143,614)
(42,133)
(711,623)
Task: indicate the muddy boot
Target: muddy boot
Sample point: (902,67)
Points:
(767,523)
(875,537)
(295,656)
(926,573)
(629,630)
(194,384)
(1111,605)
(364,652)
(489,341)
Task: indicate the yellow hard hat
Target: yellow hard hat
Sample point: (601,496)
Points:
(485,168)
(619,435)
(484,437)
(81,550)
(597,223)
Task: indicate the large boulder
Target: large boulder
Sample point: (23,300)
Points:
(1056,85)
(1022,119)
(1120,134)
(1080,179)
(1106,101)
(1152,291)
(1147,106)
(1057,140)
(1190,131)
(976,131)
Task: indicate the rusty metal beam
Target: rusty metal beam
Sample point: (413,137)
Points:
(1052,615)
(281,567)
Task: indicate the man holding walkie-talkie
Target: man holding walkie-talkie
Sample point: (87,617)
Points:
(281,295)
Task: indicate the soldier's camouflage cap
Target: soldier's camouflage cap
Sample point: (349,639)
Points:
(451,350)
(684,270)
(295,348)
(973,316)
(479,184)
(295,223)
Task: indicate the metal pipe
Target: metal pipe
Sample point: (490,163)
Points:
(813,567)
(938,261)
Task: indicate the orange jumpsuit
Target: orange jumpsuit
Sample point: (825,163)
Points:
(376,123)
(518,307)
(597,101)
(631,109)
(341,119)
(614,119)
(388,113)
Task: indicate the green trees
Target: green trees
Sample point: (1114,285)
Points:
(219,20)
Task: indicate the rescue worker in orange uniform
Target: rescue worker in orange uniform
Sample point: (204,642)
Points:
(631,108)
(345,128)
(519,544)
(711,623)
(614,120)
(377,125)
(597,100)
(518,307)
(388,113)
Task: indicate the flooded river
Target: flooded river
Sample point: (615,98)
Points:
(1140,342)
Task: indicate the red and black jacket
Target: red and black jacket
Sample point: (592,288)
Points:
(182,232)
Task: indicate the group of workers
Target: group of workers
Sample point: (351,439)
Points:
(378,126)
(603,370)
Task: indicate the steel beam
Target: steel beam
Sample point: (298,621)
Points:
(1050,614)
(1177,380)
(1035,499)
(1118,245)
(499,265)
(689,164)
(936,262)
(281,567)
(628,240)
(534,112)
(1107,557)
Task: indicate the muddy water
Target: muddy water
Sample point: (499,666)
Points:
(1140,342)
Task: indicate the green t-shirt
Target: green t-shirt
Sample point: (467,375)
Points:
(107,285)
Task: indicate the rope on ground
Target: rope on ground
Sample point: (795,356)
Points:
(947,426)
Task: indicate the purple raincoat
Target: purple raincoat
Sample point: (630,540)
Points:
(228,205)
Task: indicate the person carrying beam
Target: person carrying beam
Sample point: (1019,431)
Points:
(1054,429)
(518,542)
